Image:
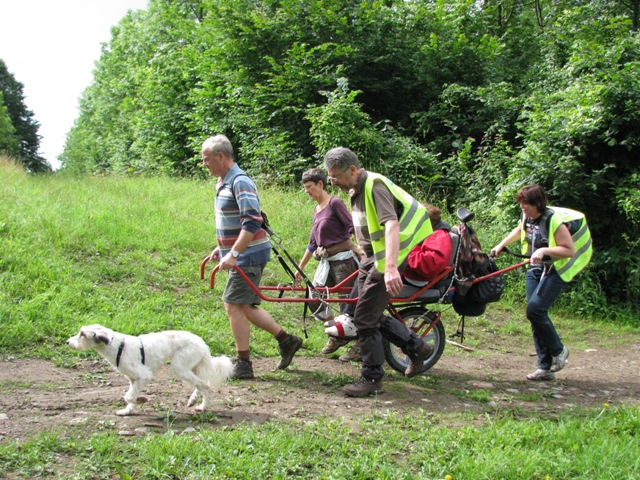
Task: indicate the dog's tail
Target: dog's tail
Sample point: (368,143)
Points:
(219,371)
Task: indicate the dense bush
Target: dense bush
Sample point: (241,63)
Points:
(457,100)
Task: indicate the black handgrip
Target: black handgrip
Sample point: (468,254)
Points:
(518,255)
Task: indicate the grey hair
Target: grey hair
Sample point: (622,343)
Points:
(218,143)
(342,158)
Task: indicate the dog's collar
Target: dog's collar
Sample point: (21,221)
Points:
(121,348)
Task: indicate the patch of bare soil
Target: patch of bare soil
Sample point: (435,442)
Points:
(36,395)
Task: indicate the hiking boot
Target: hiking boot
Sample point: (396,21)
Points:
(558,362)
(288,348)
(354,354)
(541,375)
(416,365)
(363,387)
(243,369)
(334,344)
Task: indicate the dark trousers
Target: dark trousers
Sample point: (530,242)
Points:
(372,324)
(541,294)
(350,308)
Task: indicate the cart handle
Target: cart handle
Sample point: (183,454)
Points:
(202,265)
(258,291)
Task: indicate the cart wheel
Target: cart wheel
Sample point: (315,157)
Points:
(417,319)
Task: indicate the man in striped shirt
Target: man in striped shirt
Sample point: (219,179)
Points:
(243,243)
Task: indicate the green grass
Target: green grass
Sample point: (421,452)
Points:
(119,251)
(12,385)
(600,444)
(126,252)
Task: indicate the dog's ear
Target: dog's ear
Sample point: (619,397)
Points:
(102,336)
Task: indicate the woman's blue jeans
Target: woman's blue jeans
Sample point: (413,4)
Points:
(540,297)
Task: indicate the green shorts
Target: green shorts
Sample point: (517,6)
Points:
(238,291)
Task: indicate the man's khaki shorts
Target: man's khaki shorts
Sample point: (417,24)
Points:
(238,291)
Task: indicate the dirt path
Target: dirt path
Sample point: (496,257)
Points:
(36,395)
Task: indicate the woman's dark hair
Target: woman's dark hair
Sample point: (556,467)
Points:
(533,195)
(315,175)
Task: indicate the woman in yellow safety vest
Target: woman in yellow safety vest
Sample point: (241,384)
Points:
(558,234)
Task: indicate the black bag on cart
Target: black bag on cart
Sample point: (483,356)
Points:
(489,290)
(470,298)
(466,306)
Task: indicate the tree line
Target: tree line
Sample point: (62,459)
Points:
(19,138)
(463,101)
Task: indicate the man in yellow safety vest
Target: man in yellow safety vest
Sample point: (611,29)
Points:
(388,223)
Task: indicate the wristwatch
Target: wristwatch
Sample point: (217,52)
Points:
(235,253)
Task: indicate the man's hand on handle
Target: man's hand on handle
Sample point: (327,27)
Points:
(393,280)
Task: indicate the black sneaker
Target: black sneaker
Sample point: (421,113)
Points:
(416,365)
(288,348)
(243,369)
(363,387)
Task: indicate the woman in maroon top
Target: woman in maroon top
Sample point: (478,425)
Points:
(329,243)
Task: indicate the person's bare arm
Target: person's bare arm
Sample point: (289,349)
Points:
(514,235)
(392,277)
(564,248)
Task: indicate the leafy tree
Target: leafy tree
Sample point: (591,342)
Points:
(341,122)
(467,99)
(103,134)
(633,11)
(134,117)
(9,143)
(582,143)
(25,127)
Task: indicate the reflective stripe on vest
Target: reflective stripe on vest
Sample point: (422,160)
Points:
(414,221)
(568,268)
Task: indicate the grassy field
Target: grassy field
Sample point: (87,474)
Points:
(125,252)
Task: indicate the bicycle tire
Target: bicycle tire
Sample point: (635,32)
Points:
(415,318)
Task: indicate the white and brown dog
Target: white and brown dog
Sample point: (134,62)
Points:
(139,357)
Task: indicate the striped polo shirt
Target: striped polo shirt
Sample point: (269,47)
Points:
(237,208)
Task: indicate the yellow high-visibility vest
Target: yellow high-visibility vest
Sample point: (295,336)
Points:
(567,268)
(414,221)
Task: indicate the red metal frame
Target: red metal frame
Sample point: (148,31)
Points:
(339,288)
(342,288)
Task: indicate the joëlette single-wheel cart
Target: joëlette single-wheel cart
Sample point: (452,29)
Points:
(411,306)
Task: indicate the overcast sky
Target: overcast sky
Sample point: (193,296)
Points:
(50,46)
